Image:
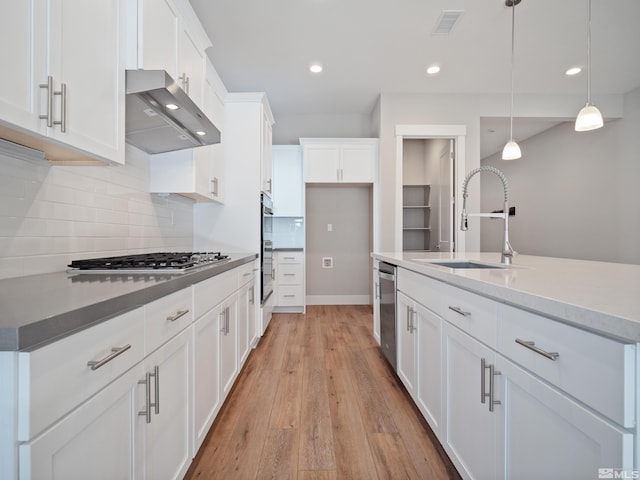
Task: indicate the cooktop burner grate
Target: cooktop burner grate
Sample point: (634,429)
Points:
(177,262)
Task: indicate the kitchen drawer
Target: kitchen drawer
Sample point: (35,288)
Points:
(290,257)
(476,315)
(209,293)
(246,273)
(55,379)
(420,288)
(289,274)
(595,370)
(290,295)
(166,317)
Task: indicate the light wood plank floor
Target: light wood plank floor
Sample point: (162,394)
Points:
(316,400)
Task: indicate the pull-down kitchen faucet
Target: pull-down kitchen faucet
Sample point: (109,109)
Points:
(507,250)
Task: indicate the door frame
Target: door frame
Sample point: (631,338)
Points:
(456,132)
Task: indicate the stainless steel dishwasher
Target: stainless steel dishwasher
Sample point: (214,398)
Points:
(387,282)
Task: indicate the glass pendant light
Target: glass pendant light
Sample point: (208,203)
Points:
(511,150)
(589,118)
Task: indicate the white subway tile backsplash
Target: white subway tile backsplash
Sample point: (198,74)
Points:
(52,215)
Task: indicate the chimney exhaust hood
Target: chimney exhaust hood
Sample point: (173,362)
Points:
(160,116)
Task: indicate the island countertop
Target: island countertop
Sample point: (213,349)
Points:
(598,296)
(39,309)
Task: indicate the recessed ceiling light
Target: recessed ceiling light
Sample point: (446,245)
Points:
(315,68)
(172,106)
(433,69)
(573,71)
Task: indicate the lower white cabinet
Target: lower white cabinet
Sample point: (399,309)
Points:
(165,410)
(228,343)
(100,436)
(289,285)
(542,433)
(469,434)
(526,406)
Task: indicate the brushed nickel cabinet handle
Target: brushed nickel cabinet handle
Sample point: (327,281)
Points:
(49,86)
(532,346)
(63,108)
(459,311)
(177,315)
(96,364)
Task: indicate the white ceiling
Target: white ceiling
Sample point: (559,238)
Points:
(368,47)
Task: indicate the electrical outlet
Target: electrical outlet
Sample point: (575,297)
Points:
(329,227)
(327,262)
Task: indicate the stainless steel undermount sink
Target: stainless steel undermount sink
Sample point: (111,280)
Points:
(466,264)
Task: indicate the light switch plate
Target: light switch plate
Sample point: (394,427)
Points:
(327,262)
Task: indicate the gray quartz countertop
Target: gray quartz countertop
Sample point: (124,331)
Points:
(288,249)
(598,296)
(38,309)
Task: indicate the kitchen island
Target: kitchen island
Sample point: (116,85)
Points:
(522,371)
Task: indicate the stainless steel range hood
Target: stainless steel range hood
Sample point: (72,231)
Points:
(154,124)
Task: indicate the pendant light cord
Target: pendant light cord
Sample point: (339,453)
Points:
(589,56)
(513,29)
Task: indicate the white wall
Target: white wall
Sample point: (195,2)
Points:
(577,195)
(52,215)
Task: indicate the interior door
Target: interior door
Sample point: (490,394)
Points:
(445,200)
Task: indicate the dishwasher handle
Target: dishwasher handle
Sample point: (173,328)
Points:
(387,276)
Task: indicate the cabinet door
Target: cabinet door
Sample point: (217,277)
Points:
(206,383)
(86,58)
(191,66)
(376,303)
(547,435)
(22,54)
(216,178)
(214,95)
(287,182)
(158,36)
(321,163)
(357,163)
(267,159)
(228,345)
(243,326)
(97,440)
(406,341)
(253,313)
(167,433)
(469,427)
(429,366)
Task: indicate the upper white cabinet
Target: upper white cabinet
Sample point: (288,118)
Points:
(337,160)
(65,94)
(266,153)
(214,96)
(166,35)
(287,181)
(195,173)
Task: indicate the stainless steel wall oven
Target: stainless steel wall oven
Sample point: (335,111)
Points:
(266,254)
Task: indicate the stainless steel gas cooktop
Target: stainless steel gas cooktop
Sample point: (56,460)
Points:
(160,262)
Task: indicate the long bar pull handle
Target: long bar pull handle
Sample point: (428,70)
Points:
(532,346)
(252,296)
(459,311)
(269,182)
(177,315)
(226,316)
(49,86)
(492,373)
(214,186)
(414,316)
(223,320)
(96,364)
(409,318)
(483,367)
(63,108)
(156,377)
(147,383)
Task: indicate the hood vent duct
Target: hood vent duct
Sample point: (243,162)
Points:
(160,116)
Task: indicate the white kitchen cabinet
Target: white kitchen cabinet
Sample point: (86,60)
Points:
(167,36)
(246,306)
(67,85)
(194,173)
(406,341)
(340,160)
(166,423)
(470,429)
(289,286)
(266,153)
(543,433)
(288,186)
(102,436)
(376,302)
(228,344)
(214,96)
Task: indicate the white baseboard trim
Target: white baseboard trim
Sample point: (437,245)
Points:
(338,300)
